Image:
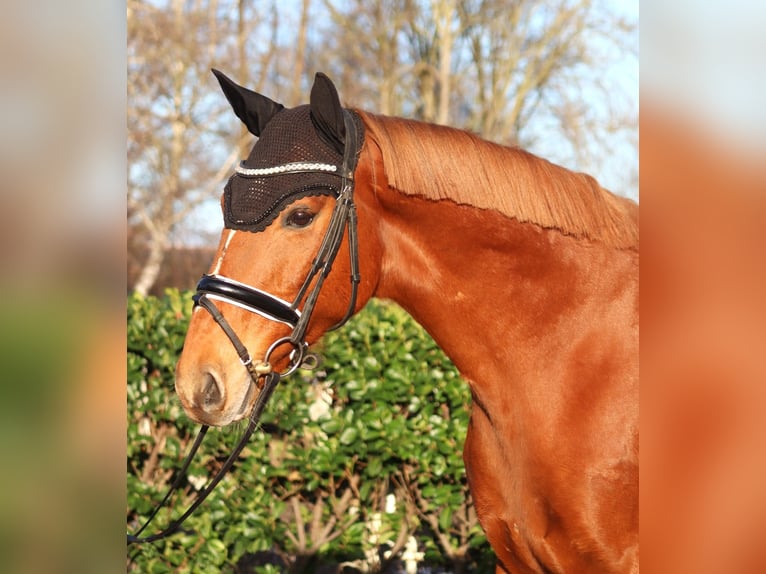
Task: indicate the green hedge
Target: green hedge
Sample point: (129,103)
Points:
(353,459)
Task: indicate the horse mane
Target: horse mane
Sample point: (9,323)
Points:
(442,163)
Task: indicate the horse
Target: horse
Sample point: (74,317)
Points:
(525,273)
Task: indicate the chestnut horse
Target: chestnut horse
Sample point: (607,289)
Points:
(525,273)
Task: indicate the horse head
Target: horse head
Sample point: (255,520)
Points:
(291,262)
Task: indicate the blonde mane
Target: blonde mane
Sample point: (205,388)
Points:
(438,163)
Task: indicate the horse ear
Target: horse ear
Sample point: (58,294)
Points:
(327,112)
(252,108)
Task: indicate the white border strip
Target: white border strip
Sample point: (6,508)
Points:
(246,307)
(288,167)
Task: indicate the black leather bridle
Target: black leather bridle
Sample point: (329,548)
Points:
(296,315)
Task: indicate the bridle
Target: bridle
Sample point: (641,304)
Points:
(296,315)
(218,287)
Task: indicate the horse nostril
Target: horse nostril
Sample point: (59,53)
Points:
(209,393)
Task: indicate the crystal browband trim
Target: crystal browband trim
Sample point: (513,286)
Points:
(288,167)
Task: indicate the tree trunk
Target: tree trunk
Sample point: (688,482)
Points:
(444,14)
(244,73)
(458,564)
(151,269)
(296,91)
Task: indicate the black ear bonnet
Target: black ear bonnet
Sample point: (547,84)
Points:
(295,156)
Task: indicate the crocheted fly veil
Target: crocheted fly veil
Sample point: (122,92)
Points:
(294,157)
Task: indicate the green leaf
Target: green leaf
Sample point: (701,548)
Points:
(331,426)
(375,467)
(445,519)
(349,436)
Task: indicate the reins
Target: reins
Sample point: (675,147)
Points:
(220,288)
(270,383)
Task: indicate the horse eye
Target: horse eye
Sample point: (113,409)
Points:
(300,217)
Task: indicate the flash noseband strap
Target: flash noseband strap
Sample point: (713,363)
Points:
(228,290)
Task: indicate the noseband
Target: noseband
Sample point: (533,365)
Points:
(220,288)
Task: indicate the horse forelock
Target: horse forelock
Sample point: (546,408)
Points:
(443,163)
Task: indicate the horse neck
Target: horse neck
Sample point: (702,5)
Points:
(491,290)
